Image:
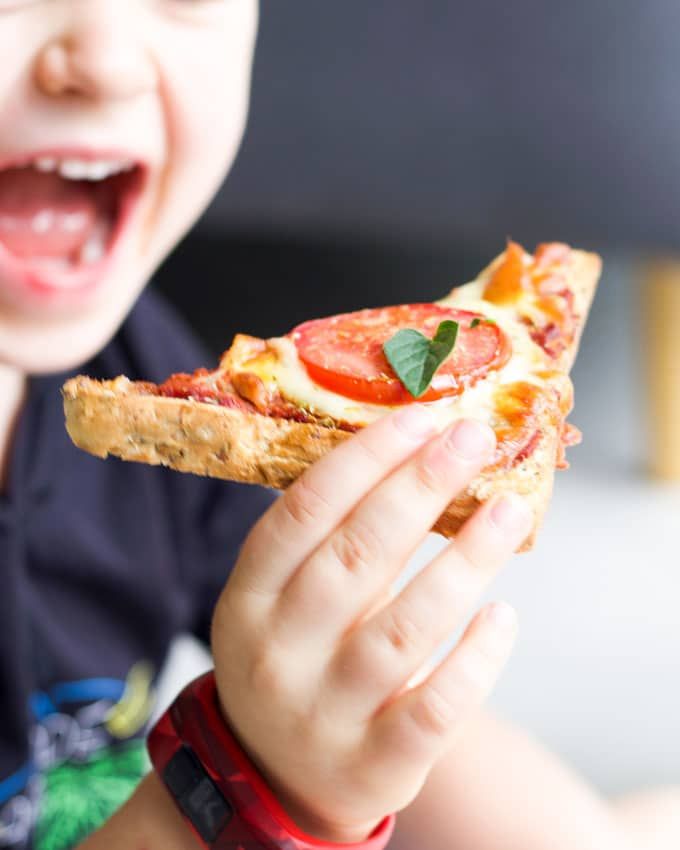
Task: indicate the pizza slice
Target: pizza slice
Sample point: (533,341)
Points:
(273,407)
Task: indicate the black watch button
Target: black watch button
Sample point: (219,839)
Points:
(196,794)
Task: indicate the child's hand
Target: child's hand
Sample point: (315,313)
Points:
(312,655)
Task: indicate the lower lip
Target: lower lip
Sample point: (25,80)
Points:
(51,285)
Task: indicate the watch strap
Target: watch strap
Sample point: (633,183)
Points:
(226,802)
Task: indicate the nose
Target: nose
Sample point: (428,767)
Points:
(97,58)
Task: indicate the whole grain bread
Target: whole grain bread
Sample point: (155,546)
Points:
(121,418)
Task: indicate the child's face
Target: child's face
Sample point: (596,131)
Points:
(152,93)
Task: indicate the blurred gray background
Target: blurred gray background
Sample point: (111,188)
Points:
(392,148)
(463,121)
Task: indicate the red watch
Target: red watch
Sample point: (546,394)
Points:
(225,801)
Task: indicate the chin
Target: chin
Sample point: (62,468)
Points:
(65,340)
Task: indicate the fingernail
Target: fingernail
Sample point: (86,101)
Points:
(511,515)
(470,440)
(502,616)
(415,421)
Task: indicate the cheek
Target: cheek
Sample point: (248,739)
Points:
(22,35)
(208,133)
(206,101)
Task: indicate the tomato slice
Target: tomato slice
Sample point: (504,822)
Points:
(344,353)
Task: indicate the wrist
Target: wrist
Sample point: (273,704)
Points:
(311,822)
(223,796)
(321,827)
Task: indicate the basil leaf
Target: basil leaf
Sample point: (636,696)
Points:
(415,358)
(477,321)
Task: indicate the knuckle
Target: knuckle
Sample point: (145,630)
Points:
(433,714)
(429,475)
(303,502)
(267,675)
(369,451)
(474,559)
(362,660)
(356,547)
(475,562)
(229,620)
(401,631)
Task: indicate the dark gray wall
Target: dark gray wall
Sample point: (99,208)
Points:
(464,121)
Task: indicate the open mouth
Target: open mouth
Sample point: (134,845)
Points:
(62,217)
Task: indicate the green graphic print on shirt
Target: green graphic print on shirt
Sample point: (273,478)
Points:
(79,798)
(88,754)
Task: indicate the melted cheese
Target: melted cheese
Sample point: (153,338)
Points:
(281,371)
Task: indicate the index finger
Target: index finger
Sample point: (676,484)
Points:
(314,505)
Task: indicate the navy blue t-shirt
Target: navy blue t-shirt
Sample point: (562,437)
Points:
(103,563)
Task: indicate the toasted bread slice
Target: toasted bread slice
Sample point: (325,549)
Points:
(120,418)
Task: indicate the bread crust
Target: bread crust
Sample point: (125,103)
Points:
(120,418)
(115,418)
(586,271)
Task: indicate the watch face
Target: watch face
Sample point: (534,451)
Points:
(196,794)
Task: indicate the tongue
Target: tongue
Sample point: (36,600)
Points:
(44,215)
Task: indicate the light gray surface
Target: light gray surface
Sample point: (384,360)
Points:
(596,672)
(597,664)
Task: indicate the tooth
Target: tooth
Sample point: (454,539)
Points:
(43,221)
(92,252)
(117,166)
(46,163)
(79,169)
(95,247)
(73,169)
(95,170)
(98,170)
